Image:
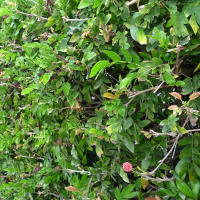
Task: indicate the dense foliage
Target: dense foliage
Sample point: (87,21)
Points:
(87,86)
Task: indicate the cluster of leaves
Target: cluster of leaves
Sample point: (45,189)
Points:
(88,85)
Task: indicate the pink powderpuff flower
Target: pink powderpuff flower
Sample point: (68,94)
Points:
(127,167)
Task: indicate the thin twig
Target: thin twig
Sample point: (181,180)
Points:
(169,152)
(136,93)
(39,158)
(55,195)
(31,15)
(34,2)
(158,87)
(194,130)
(161,134)
(186,121)
(178,60)
(71,171)
(131,2)
(75,20)
(153,179)
(175,49)
(46,19)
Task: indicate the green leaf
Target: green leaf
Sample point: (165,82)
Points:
(123,175)
(99,150)
(197,169)
(127,80)
(66,88)
(46,78)
(141,37)
(127,55)
(27,90)
(89,55)
(182,130)
(5,11)
(129,144)
(184,188)
(75,37)
(98,66)
(146,162)
(133,31)
(118,194)
(168,192)
(144,123)
(195,188)
(182,167)
(114,56)
(178,21)
(180,83)
(85,4)
(51,21)
(168,78)
(97,3)
(129,188)
(128,123)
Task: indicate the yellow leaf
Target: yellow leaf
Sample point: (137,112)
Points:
(146,134)
(176,95)
(111,96)
(145,183)
(173,107)
(194,95)
(191,174)
(197,68)
(194,24)
(141,37)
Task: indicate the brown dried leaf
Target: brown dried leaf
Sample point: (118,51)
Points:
(2,73)
(194,95)
(173,107)
(176,95)
(153,198)
(193,121)
(71,189)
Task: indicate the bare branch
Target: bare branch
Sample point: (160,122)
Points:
(75,20)
(46,19)
(71,171)
(178,60)
(158,87)
(34,2)
(31,15)
(169,152)
(161,134)
(194,130)
(153,179)
(31,157)
(132,95)
(131,2)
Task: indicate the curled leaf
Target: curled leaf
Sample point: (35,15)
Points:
(176,95)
